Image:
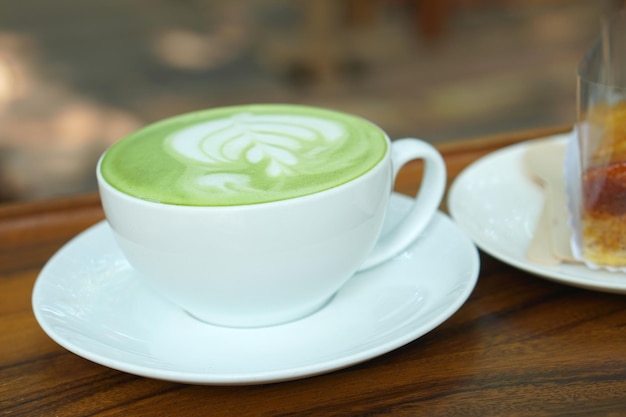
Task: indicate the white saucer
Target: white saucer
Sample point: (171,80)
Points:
(498,206)
(87,300)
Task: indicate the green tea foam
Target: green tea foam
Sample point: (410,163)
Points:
(243,155)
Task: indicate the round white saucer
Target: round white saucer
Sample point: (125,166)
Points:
(87,300)
(498,206)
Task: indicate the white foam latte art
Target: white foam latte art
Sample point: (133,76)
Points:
(225,182)
(227,153)
(244,155)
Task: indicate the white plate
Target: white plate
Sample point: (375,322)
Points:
(497,205)
(87,300)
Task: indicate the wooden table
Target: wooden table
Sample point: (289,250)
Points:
(521,345)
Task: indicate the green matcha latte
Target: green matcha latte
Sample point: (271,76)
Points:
(243,155)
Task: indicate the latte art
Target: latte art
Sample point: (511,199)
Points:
(243,155)
(230,150)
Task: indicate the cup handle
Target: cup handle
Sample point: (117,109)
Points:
(426,202)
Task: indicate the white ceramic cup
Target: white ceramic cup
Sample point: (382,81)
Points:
(271,263)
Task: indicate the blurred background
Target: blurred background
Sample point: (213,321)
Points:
(76,76)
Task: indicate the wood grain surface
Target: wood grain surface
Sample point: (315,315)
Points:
(520,346)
